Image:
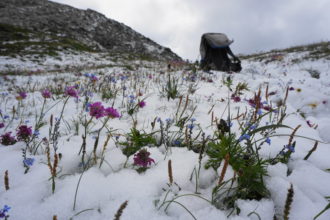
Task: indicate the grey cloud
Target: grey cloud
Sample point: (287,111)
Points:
(255,25)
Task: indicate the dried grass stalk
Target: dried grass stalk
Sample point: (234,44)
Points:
(170,173)
(6,180)
(224,169)
(120,210)
(288,202)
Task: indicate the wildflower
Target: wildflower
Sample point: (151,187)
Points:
(252,127)
(2,125)
(142,104)
(4,211)
(71,91)
(46,94)
(111,112)
(267,108)
(236,98)
(190,126)
(87,106)
(23,133)
(244,137)
(94,78)
(142,158)
(168,120)
(96,110)
(324,102)
(310,123)
(291,88)
(268,141)
(259,112)
(290,148)
(21,95)
(177,143)
(28,162)
(36,133)
(6,139)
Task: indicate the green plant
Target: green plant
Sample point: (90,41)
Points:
(135,141)
(171,88)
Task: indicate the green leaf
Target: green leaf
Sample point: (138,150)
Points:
(325,209)
(268,127)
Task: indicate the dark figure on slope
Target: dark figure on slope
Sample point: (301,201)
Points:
(214,51)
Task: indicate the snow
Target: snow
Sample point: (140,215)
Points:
(103,189)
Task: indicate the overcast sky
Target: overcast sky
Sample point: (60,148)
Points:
(255,25)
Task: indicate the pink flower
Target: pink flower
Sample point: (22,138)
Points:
(6,139)
(94,78)
(71,91)
(236,98)
(21,95)
(2,125)
(142,104)
(142,158)
(112,113)
(46,94)
(23,133)
(96,110)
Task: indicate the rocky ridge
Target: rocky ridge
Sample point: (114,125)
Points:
(87,27)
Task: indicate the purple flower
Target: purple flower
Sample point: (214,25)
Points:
(191,126)
(21,95)
(236,98)
(96,110)
(71,91)
(3,212)
(290,148)
(93,78)
(244,137)
(28,162)
(142,158)
(46,94)
(112,113)
(2,125)
(24,133)
(142,104)
(268,141)
(177,142)
(6,139)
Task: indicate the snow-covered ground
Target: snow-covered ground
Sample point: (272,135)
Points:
(96,189)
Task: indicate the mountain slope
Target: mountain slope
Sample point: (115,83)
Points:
(88,27)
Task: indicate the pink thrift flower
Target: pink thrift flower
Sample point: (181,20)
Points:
(71,91)
(6,139)
(142,104)
(112,113)
(23,133)
(142,158)
(46,94)
(21,95)
(236,98)
(96,110)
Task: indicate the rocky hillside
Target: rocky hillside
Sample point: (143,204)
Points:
(298,54)
(40,21)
